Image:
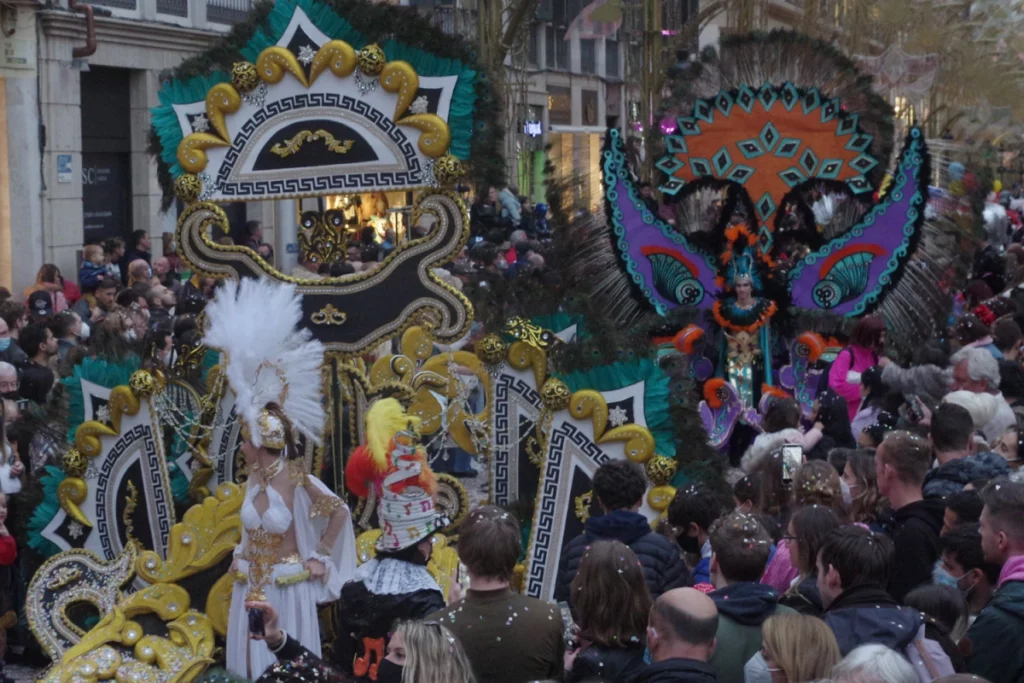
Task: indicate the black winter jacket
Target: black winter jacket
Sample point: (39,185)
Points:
(915,536)
(676,671)
(661,559)
(368,615)
(867,614)
(606,663)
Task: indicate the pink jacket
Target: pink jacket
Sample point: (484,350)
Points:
(862,359)
(780,572)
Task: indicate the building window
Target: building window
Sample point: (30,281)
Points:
(228,11)
(559,106)
(557,49)
(177,8)
(588,56)
(531,47)
(588,98)
(611,58)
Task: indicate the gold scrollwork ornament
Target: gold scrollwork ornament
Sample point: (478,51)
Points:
(286,148)
(329,315)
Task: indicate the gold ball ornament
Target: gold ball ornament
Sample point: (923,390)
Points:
(188,187)
(555,394)
(448,170)
(491,349)
(660,470)
(75,464)
(244,77)
(142,383)
(371,60)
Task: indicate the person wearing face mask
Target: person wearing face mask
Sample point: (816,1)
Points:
(681,638)
(859,489)
(14,320)
(10,352)
(428,650)
(963,566)
(693,510)
(395,584)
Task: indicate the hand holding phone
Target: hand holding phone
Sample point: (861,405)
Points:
(792,459)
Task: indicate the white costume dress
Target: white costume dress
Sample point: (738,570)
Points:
(296,603)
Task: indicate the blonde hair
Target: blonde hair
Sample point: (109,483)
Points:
(804,647)
(433,654)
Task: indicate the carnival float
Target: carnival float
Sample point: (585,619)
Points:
(731,300)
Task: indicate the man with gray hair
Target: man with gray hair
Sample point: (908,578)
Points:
(975,370)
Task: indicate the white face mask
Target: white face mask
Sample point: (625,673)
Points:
(83,334)
(129,335)
(847,494)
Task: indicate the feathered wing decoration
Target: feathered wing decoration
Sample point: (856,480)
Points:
(782,57)
(668,268)
(879,262)
(269,359)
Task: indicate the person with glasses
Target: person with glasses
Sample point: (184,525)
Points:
(807,531)
(796,648)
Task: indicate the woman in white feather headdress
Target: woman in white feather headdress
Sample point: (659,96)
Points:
(298,547)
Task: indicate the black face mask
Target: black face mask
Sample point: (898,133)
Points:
(10,395)
(690,544)
(389,672)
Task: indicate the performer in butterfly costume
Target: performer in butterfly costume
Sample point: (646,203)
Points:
(775,121)
(390,467)
(298,547)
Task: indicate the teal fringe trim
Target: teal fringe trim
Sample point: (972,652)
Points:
(165,121)
(556,322)
(179,483)
(45,512)
(210,360)
(97,371)
(460,114)
(321,15)
(656,394)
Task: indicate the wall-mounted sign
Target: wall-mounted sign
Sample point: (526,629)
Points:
(64,168)
(533,128)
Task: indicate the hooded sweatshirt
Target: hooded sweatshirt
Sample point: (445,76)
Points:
(993,642)
(742,610)
(915,535)
(867,614)
(660,558)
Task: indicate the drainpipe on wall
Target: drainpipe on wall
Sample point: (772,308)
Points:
(89,48)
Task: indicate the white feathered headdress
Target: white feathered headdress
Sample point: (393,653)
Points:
(269,358)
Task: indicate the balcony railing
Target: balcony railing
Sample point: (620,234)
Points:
(116,4)
(227,11)
(175,8)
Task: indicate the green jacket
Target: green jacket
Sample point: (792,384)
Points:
(742,611)
(997,636)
